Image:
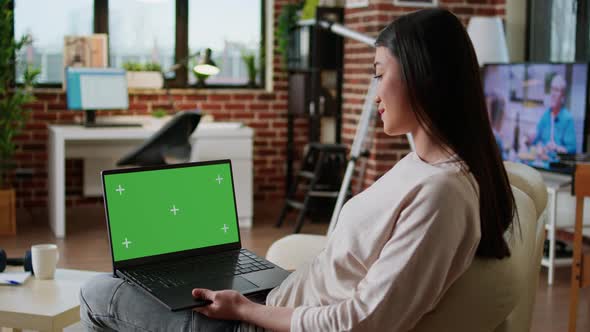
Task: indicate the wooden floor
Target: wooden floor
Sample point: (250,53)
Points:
(86,247)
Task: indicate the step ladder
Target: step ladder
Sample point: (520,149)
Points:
(321,173)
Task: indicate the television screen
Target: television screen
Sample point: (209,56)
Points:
(538,111)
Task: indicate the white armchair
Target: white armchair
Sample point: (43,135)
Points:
(492,295)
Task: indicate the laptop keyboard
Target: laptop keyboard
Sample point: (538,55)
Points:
(179,273)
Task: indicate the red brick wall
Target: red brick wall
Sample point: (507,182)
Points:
(264,112)
(358,71)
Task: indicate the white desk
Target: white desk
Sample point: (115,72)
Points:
(102,147)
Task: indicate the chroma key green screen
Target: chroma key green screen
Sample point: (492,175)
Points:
(161,211)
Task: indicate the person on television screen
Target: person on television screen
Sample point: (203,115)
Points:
(555,130)
(496,106)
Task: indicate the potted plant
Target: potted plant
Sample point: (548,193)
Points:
(309,9)
(159,113)
(13,113)
(286,21)
(250,61)
(144,76)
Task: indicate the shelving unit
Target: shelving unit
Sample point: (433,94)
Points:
(314,67)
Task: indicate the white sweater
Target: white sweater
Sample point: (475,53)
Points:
(397,248)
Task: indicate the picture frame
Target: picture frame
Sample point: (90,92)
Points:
(85,51)
(415,3)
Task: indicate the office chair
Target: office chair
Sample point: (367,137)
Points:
(168,145)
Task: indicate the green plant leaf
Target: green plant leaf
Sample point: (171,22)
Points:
(136,66)
(152,66)
(287,20)
(13,113)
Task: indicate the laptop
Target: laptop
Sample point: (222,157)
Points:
(174,228)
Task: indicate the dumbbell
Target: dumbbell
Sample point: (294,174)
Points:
(26,261)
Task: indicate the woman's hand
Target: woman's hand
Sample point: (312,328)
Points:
(231,305)
(226,304)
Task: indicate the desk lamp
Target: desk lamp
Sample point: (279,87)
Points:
(204,68)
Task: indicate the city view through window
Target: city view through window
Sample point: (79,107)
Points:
(142,31)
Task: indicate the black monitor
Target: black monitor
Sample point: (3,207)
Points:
(538,112)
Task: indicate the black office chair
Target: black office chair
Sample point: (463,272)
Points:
(167,146)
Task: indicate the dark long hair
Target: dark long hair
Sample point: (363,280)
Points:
(440,70)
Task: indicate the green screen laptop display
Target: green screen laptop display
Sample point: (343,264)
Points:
(161,211)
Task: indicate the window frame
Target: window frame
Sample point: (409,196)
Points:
(180,80)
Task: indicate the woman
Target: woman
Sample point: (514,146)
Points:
(400,244)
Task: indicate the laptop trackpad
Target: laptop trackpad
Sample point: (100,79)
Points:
(236,283)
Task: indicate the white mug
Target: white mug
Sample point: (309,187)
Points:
(44,258)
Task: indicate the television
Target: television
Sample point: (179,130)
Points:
(92,89)
(538,112)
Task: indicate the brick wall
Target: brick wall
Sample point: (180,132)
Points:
(358,71)
(264,112)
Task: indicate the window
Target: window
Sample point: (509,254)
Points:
(558,30)
(161,31)
(47,22)
(231,29)
(141,31)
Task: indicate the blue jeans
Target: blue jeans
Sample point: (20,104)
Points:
(111,304)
